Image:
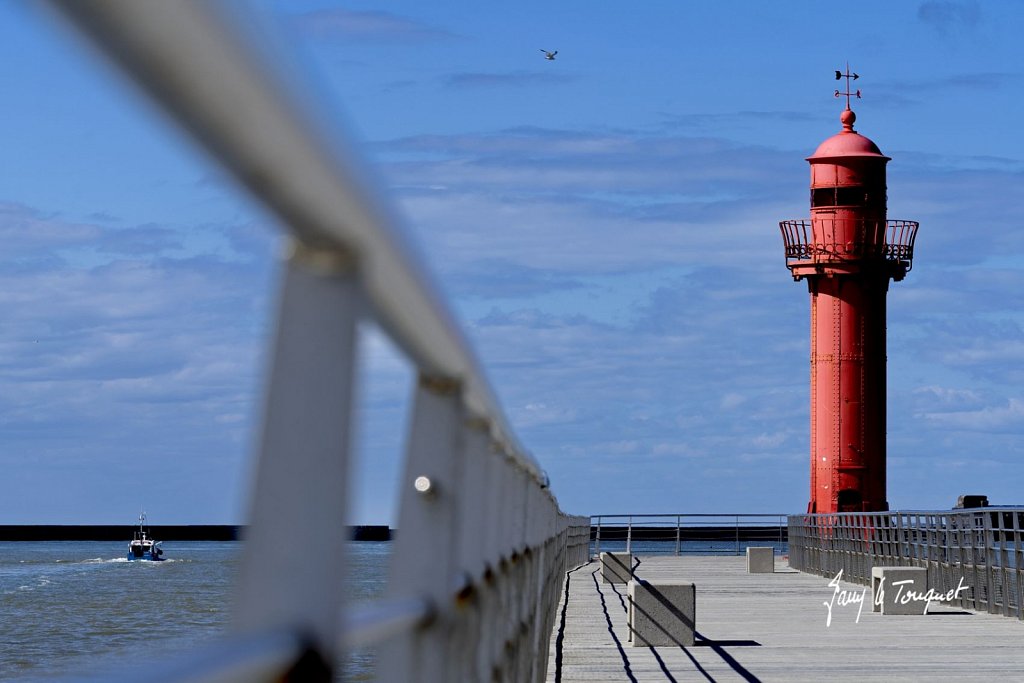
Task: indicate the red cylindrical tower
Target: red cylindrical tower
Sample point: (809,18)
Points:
(848,252)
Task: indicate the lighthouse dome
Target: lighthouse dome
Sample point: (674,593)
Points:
(847,143)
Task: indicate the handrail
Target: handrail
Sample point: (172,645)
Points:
(841,239)
(479,562)
(666,515)
(644,527)
(975,553)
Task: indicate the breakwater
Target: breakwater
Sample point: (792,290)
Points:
(166,532)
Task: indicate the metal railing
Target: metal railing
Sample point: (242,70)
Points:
(482,547)
(980,547)
(840,239)
(681,533)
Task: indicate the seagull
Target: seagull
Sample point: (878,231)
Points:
(549,55)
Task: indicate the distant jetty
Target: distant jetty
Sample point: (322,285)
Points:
(168,532)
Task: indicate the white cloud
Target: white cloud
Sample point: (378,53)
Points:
(135,359)
(949,397)
(705,362)
(1001,418)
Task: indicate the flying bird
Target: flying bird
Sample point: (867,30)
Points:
(549,55)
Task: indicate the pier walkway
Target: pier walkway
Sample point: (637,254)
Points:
(772,627)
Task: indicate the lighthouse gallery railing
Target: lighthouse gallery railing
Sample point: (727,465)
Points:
(826,239)
(982,547)
(482,546)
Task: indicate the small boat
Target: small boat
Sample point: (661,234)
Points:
(142,547)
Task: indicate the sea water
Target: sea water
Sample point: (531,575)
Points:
(78,607)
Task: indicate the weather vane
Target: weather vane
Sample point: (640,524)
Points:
(847,76)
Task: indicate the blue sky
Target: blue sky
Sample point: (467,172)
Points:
(605,225)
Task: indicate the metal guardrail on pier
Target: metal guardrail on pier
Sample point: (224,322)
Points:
(981,546)
(481,556)
(702,533)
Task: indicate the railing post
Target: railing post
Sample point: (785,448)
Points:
(520,608)
(989,542)
(629,535)
(423,560)
(533,581)
(597,545)
(299,499)
(1004,571)
(679,525)
(543,523)
(1015,565)
(494,542)
(471,527)
(511,529)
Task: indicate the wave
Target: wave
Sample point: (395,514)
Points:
(125,560)
(41,582)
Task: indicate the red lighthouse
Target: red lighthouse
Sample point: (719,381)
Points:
(848,252)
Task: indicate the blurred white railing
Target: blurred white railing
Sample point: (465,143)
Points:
(482,546)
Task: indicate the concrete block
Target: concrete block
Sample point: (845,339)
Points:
(899,590)
(616,567)
(662,613)
(760,560)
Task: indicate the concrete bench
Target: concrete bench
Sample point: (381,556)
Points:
(616,567)
(760,560)
(902,590)
(662,613)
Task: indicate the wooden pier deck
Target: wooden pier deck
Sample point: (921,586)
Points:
(772,627)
